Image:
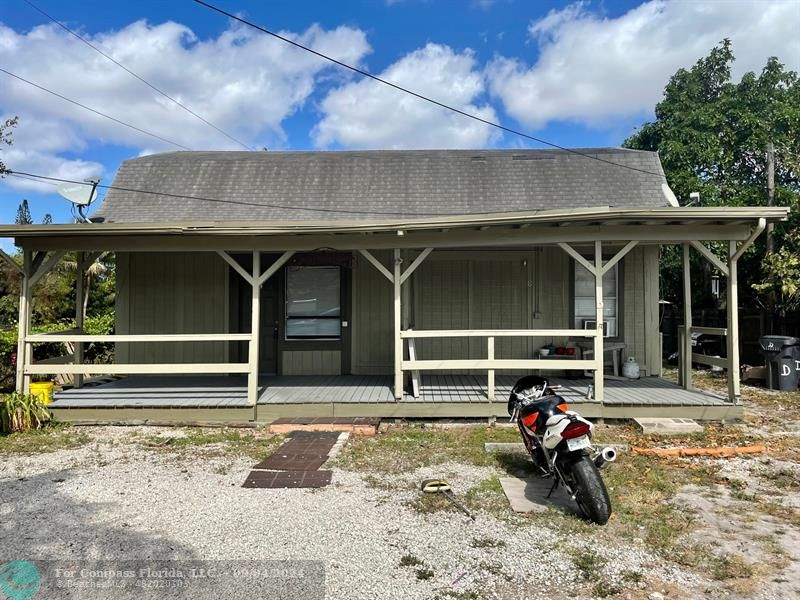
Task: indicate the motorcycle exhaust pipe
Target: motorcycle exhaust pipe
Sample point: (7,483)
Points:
(607,454)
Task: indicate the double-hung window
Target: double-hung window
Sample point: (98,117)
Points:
(585,315)
(313,303)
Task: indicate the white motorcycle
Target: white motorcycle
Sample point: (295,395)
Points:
(560,442)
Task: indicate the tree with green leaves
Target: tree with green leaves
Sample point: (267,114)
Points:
(711,134)
(24,214)
(5,139)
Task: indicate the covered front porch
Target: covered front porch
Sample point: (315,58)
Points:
(425,365)
(224,398)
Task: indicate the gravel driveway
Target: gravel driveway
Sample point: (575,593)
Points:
(114,498)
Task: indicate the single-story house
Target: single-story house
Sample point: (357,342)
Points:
(254,285)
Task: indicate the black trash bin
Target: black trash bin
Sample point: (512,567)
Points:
(782,353)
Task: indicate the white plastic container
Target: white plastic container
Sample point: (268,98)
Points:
(630,368)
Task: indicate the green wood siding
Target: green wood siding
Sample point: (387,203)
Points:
(497,290)
(172,292)
(312,362)
(188,293)
(371,319)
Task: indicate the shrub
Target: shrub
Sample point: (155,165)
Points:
(22,412)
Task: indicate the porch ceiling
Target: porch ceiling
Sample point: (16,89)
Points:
(654,225)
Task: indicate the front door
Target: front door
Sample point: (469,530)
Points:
(268,345)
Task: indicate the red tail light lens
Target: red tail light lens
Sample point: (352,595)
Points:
(576,429)
(530,420)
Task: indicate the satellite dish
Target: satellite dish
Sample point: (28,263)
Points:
(80,194)
(669,195)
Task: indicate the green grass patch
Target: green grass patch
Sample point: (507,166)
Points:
(589,563)
(487,542)
(488,495)
(217,442)
(409,560)
(730,566)
(38,441)
(409,448)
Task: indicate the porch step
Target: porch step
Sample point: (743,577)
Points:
(357,425)
(667,426)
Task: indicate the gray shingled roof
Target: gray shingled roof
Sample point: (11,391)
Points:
(283,186)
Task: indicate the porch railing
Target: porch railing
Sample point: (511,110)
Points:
(491,363)
(687,357)
(76,368)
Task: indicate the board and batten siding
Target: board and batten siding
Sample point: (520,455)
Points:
(171,292)
(311,362)
(510,289)
(371,318)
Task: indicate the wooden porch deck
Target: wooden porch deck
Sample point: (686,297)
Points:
(225,398)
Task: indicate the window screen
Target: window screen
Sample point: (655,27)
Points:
(313,303)
(584,300)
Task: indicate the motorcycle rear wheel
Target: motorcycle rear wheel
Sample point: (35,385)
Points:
(590,491)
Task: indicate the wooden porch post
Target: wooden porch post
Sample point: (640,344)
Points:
(734,390)
(398,315)
(24,381)
(686,350)
(255,327)
(599,382)
(79,294)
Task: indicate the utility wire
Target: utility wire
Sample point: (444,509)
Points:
(144,81)
(97,112)
(418,95)
(45,179)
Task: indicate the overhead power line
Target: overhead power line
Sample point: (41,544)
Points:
(97,112)
(369,75)
(142,79)
(45,179)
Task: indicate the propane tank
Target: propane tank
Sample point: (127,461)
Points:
(630,368)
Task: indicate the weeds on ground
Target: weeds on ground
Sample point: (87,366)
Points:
(22,412)
(487,542)
(409,560)
(730,566)
(216,442)
(37,441)
(407,449)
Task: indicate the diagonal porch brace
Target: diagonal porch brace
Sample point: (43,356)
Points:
(618,256)
(577,256)
(377,264)
(45,265)
(710,257)
(11,262)
(236,266)
(413,266)
(274,267)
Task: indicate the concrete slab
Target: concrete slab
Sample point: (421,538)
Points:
(529,494)
(667,426)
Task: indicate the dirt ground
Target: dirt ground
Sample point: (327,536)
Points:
(681,528)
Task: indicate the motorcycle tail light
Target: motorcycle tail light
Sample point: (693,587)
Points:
(576,429)
(563,407)
(530,420)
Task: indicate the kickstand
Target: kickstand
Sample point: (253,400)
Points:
(553,489)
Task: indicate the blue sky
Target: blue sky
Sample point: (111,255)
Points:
(579,74)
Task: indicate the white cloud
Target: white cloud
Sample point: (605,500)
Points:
(368,114)
(245,82)
(592,69)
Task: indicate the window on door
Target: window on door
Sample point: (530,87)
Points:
(313,303)
(585,315)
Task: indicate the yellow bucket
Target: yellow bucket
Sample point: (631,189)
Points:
(44,390)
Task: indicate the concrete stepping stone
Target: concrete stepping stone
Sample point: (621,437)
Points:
(529,494)
(667,426)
